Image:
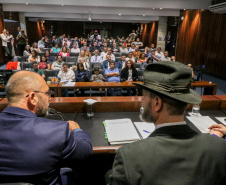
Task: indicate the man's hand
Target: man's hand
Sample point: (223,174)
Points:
(218,128)
(219,134)
(73,125)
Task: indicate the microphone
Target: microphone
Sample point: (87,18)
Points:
(52,111)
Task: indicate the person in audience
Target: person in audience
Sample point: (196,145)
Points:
(6,45)
(132,48)
(41,43)
(37,70)
(66,42)
(96,37)
(110,53)
(104,45)
(66,74)
(123,49)
(87,53)
(112,75)
(129,45)
(49,58)
(104,53)
(94,47)
(183,154)
(158,53)
(115,48)
(138,43)
(34,57)
(136,52)
(147,52)
(55,49)
(96,58)
(65,45)
(142,58)
(76,41)
(75,49)
(48,44)
(132,35)
(152,47)
(192,71)
(85,44)
(35,47)
(57,65)
(106,63)
(153,58)
(129,74)
(97,77)
(44,64)
(10,43)
(173,58)
(69,38)
(64,52)
(166,57)
(149,61)
(54,41)
(60,40)
(84,60)
(22,41)
(168,41)
(27,51)
(130,57)
(123,61)
(18,30)
(37,148)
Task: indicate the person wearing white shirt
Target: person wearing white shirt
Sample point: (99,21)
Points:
(66,74)
(123,49)
(109,53)
(132,48)
(5,44)
(75,49)
(130,57)
(165,57)
(96,58)
(41,43)
(103,54)
(158,53)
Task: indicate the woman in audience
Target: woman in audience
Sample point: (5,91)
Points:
(130,57)
(49,58)
(75,49)
(142,58)
(81,75)
(34,57)
(84,60)
(27,51)
(35,47)
(129,74)
(144,64)
(44,64)
(64,52)
(55,49)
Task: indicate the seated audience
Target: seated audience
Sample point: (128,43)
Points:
(130,57)
(129,45)
(27,51)
(41,43)
(123,61)
(57,65)
(75,49)
(49,58)
(112,75)
(55,49)
(129,74)
(64,52)
(166,57)
(33,57)
(152,47)
(142,58)
(109,53)
(123,49)
(66,42)
(84,44)
(37,70)
(106,63)
(44,64)
(132,48)
(97,77)
(66,74)
(87,53)
(138,43)
(96,58)
(173,58)
(35,47)
(94,47)
(104,45)
(84,60)
(54,40)
(114,48)
(136,52)
(147,52)
(149,61)
(37,148)
(66,46)
(48,44)
(76,41)
(104,53)
(158,53)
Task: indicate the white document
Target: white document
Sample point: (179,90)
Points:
(221,119)
(121,131)
(68,84)
(144,128)
(192,114)
(202,123)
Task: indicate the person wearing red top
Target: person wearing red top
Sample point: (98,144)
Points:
(44,64)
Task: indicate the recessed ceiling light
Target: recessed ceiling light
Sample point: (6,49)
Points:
(153,8)
(119,14)
(143,15)
(160,8)
(26,3)
(62,5)
(184,9)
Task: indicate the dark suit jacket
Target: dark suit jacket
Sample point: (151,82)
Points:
(125,73)
(33,149)
(173,155)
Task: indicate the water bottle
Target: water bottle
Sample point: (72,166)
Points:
(141,108)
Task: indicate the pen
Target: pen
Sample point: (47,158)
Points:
(146,131)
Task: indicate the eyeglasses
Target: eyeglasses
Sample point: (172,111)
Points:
(48,93)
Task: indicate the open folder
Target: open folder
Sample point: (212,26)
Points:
(120,131)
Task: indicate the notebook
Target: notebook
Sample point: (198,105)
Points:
(145,129)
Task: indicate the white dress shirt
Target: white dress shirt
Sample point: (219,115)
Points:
(96,59)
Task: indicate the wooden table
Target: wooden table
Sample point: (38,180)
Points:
(209,87)
(222,99)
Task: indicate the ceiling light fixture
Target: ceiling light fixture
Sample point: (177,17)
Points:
(26,3)
(160,8)
(62,5)
(119,14)
(184,9)
(143,15)
(153,8)
(89,18)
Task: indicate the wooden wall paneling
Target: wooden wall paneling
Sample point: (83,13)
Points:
(149,35)
(202,40)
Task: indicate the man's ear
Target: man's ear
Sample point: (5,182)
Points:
(158,104)
(33,99)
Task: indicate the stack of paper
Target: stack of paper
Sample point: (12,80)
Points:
(120,131)
(68,84)
(144,128)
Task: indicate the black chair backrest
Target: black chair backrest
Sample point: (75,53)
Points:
(26,65)
(64,59)
(54,54)
(137,65)
(117,59)
(70,64)
(117,54)
(71,59)
(142,50)
(22,59)
(45,49)
(41,53)
(97,65)
(50,73)
(73,54)
(140,74)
